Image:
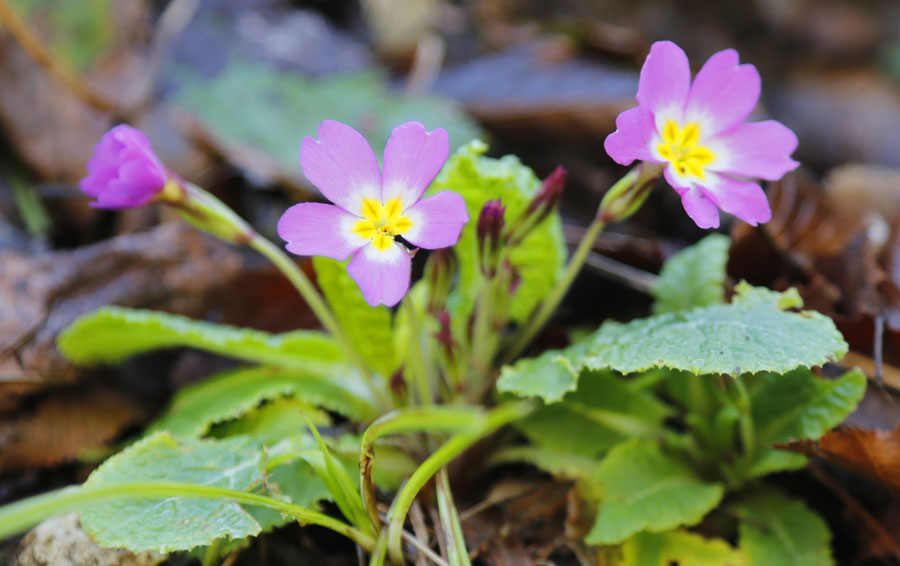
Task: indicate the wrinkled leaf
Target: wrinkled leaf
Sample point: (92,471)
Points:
(165,525)
(549,376)
(799,405)
(679,548)
(604,405)
(644,489)
(777,530)
(749,335)
(112,334)
(233,393)
(694,277)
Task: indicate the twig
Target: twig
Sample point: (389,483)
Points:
(635,278)
(32,45)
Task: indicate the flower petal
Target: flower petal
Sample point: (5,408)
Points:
(342,165)
(382,275)
(312,228)
(724,93)
(633,137)
(700,208)
(436,221)
(665,79)
(760,150)
(744,199)
(412,158)
(123,170)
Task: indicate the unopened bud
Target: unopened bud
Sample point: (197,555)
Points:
(445,334)
(489,230)
(439,274)
(541,205)
(628,194)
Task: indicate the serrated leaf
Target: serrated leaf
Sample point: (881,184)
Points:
(644,489)
(269,111)
(777,530)
(799,405)
(368,328)
(232,393)
(694,277)
(747,336)
(540,256)
(549,376)
(604,405)
(112,334)
(679,548)
(166,525)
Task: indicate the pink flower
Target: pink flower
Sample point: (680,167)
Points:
(698,132)
(374,207)
(123,172)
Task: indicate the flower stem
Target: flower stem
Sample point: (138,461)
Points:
(558,292)
(455,446)
(27,512)
(317,304)
(417,364)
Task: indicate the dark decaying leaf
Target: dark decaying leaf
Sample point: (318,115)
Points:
(172,267)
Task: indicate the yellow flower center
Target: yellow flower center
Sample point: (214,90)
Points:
(679,147)
(382,222)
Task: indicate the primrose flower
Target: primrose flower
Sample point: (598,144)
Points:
(697,132)
(371,207)
(123,172)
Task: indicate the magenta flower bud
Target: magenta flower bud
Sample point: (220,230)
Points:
(124,172)
(548,196)
(489,230)
(491,222)
(541,205)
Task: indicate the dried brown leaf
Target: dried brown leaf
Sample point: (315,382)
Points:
(64,425)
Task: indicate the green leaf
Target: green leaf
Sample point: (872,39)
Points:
(694,277)
(561,463)
(344,490)
(76,32)
(549,376)
(749,335)
(233,393)
(112,334)
(773,460)
(165,525)
(679,548)
(777,530)
(368,328)
(644,489)
(250,106)
(538,259)
(604,405)
(799,405)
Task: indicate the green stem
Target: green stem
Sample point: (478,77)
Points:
(414,419)
(317,304)
(457,553)
(417,363)
(744,407)
(23,514)
(483,329)
(457,444)
(548,306)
